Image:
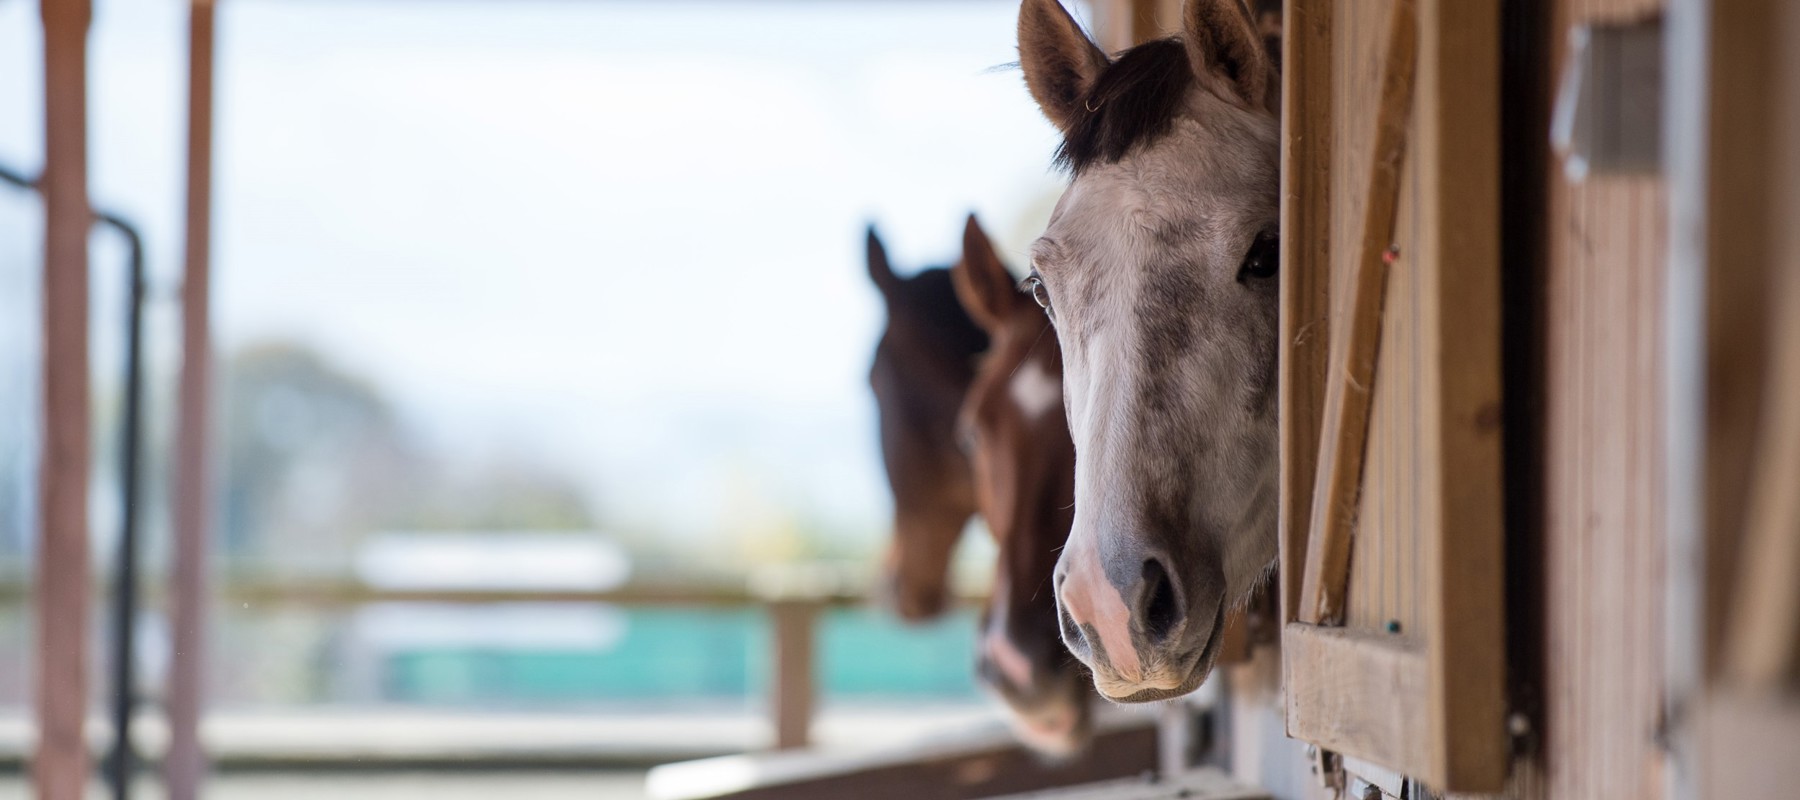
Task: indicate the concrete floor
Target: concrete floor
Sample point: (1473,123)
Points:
(621,785)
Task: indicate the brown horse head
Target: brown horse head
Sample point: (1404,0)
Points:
(1018,440)
(1158,269)
(923,366)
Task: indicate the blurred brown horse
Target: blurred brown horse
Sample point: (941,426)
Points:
(924,364)
(1015,431)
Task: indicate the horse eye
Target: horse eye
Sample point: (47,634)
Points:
(1264,258)
(1039,292)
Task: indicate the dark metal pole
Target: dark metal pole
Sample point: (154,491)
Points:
(125,594)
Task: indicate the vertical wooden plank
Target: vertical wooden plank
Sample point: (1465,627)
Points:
(1743,157)
(185,765)
(60,766)
(1762,650)
(1737,240)
(1356,338)
(1306,143)
(792,695)
(1121,24)
(1459,219)
(1756,192)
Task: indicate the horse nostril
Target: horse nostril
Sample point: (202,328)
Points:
(1159,608)
(1071,632)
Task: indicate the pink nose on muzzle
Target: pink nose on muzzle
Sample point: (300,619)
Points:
(1106,621)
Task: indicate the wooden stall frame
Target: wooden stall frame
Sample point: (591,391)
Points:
(1356,340)
(1431,706)
(1731,701)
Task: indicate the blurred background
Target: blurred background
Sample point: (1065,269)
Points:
(517,303)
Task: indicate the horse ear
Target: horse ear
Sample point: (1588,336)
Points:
(879,271)
(1228,55)
(1060,62)
(983,285)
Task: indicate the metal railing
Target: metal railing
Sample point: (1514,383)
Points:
(120,763)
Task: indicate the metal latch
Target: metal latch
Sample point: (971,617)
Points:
(1608,112)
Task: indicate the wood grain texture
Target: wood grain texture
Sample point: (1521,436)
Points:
(1604,470)
(1753,200)
(1358,693)
(60,767)
(1356,335)
(1737,244)
(1603,527)
(1425,564)
(1306,148)
(1385,587)
(1753,349)
(1747,736)
(1459,232)
(1762,649)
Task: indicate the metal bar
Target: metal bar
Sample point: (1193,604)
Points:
(185,764)
(60,767)
(123,760)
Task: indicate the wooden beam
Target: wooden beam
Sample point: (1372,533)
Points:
(1762,645)
(1357,693)
(185,765)
(950,765)
(1305,273)
(1356,340)
(60,767)
(792,690)
(1458,153)
(1121,24)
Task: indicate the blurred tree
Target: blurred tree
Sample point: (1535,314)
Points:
(316,459)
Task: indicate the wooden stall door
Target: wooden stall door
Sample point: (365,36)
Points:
(1747,646)
(1393,645)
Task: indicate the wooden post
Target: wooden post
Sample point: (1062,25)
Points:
(185,764)
(1122,24)
(1305,274)
(60,767)
(791,699)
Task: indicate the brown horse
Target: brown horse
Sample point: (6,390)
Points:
(1017,437)
(924,364)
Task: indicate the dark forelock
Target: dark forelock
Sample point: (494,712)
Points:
(1134,101)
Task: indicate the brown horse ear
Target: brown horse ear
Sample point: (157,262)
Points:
(1228,55)
(983,285)
(1060,62)
(879,271)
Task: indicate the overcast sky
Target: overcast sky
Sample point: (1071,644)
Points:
(624,237)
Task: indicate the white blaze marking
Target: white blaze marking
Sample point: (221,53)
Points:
(1034,391)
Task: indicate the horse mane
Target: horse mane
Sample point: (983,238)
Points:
(1134,101)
